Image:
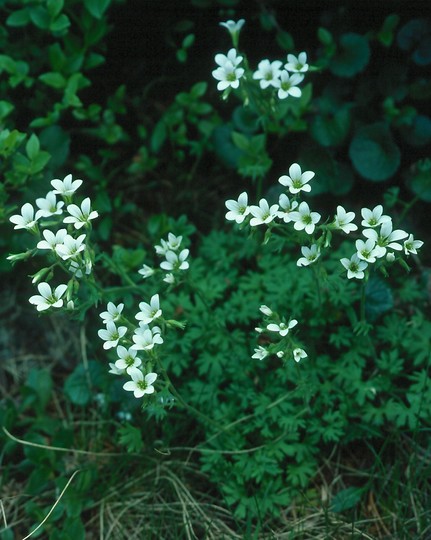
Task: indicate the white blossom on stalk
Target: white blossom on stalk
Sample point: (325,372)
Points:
(52,240)
(233,26)
(366,250)
(282,328)
(297,180)
(127,359)
(70,247)
(297,64)
(65,187)
(238,210)
(174,242)
(260,353)
(175,261)
(113,314)
(149,312)
(266,310)
(298,354)
(115,371)
(80,216)
(310,255)
(411,245)
(354,266)
(140,384)
(169,278)
(77,268)
(48,298)
(305,219)
(25,220)
(163,248)
(287,207)
(111,335)
(263,214)
(343,220)
(268,73)
(228,73)
(288,85)
(145,338)
(386,238)
(49,206)
(146,271)
(374,217)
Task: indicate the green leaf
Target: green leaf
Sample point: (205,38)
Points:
(181,55)
(224,148)
(21,17)
(56,80)
(378,298)
(188,41)
(40,381)
(285,40)
(325,37)
(416,36)
(32,147)
(54,7)
(418,133)
(199,89)
(5,108)
(245,119)
(131,438)
(77,385)
(158,137)
(60,24)
(419,180)
(331,130)
(352,55)
(374,153)
(40,17)
(97,7)
(346,499)
(39,162)
(386,33)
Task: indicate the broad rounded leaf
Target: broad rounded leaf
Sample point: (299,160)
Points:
(378,298)
(331,130)
(352,55)
(419,132)
(224,147)
(374,153)
(419,181)
(245,120)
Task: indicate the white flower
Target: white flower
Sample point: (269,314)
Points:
(145,337)
(111,335)
(280,354)
(355,267)
(387,238)
(233,26)
(139,384)
(47,297)
(298,354)
(174,242)
(49,206)
(288,85)
(77,268)
(411,245)
(266,310)
(80,216)
(297,180)
(65,187)
(263,213)
(282,328)
(52,240)
(146,271)
(26,220)
(268,73)
(113,314)
(297,64)
(304,218)
(286,208)
(162,249)
(390,257)
(310,255)
(238,210)
(149,312)
(260,353)
(366,250)
(374,217)
(175,261)
(343,220)
(127,359)
(169,278)
(228,73)
(70,247)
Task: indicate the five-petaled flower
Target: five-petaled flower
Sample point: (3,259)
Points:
(65,187)
(149,312)
(71,247)
(228,73)
(260,353)
(310,255)
(263,213)
(386,238)
(49,206)
(288,85)
(140,384)
(287,208)
(366,250)
(113,314)
(305,219)
(411,245)
(48,298)
(374,217)
(145,338)
(26,220)
(297,180)
(298,354)
(282,328)
(297,64)
(175,261)
(238,210)
(111,335)
(52,240)
(80,216)
(127,359)
(354,266)
(343,220)
(268,73)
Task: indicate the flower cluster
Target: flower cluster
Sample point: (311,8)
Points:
(282,78)
(274,325)
(66,245)
(144,337)
(175,259)
(380,238)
